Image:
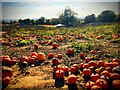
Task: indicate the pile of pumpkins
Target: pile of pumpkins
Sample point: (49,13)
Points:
(98,74)
(23,61)
(7,70)
(102,75)
(33,57)
(97,77)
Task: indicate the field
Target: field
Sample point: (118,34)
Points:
(99,42)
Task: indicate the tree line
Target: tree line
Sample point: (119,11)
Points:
(69,18)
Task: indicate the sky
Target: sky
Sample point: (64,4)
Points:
(60,0)
(21,9)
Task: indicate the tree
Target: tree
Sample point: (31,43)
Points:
(32,21)
(47,21)
(118,17)
(90,19)
(68,17)
(54,21)
(107,16)
(3,22)
(41,21)
(11,22)
(25,21)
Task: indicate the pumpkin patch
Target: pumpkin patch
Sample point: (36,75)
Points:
(61,58)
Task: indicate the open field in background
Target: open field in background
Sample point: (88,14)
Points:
(18,42)
(108,35)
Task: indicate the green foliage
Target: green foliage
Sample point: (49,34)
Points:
(54,21)
(23,42)
(68,17)
(90,19)
(79,46)
(107,16)
(41,20)
(116,41)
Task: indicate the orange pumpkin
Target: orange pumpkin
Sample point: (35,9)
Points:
(108,64)
(87,72)
(72,79)
(65,68)
(86,65)
(102,84)
(87,59)
(82,55)
(58,67)
(89,84)
(6,81)
(115,36)
(116,60)
(5,60)
(59,74)
(55,68)
(55,45)
(31,60)
(4,57)
(7,72)
(24,58)
(93,63)
(114,64)
(41,56)
(81,65)
(13,62)
(116,84)
(95,87)
(33,54)
(55,61)
(36,46)
(100,63)
(115,76)
(73,70)
(94,76)
(109,69)
(59,56)
(92,52)
(75,65)
(106,73)
(50,55)
(59,39)
(106,78)
(70,51)
(42,42)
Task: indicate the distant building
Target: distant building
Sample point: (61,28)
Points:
(60,25)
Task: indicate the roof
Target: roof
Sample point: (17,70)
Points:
(59,25)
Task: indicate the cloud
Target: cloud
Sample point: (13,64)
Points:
(32,10)
(54,9)
(60,0)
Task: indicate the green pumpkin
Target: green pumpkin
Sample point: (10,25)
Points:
(116,69)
